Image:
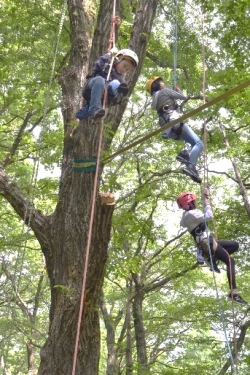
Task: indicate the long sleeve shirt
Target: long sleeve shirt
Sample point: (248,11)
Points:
(192,218)
(167,97)
(101,68)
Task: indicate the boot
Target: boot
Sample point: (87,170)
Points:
(183,157)
(82,114)
(191,171)
(235,297)
(96,113)
(212,266)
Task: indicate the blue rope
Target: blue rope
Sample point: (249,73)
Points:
(218,298)
(175,40)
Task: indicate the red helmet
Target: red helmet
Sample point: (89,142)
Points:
(184,198)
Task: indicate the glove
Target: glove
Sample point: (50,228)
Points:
(177,89)
(113,51)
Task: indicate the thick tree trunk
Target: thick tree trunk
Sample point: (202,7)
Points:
(70,238)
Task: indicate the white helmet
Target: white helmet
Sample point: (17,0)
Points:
(128,53)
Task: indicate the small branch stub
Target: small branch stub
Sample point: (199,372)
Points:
(107,199)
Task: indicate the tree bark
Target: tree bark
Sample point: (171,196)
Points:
(139,327)
(239,343)
(129,340)
(110,324)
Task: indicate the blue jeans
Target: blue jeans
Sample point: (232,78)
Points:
(188,136)
(96,86)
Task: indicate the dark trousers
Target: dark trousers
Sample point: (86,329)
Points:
(222,252)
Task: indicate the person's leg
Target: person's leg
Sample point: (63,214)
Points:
(96,85)
(222,254)
(230,246)
(189,136)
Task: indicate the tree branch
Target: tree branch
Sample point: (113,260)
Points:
(239,344)
(23,207)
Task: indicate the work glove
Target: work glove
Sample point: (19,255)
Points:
(177,89)
(113,51)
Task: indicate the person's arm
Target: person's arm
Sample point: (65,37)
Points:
(208,213)
(173,94)
(193,218)
(101,66)
(155,100)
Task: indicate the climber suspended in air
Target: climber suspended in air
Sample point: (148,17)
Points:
(165,103)
(117,88)
(196,223)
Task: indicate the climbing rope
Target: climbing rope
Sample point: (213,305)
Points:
(115,20)
(206,184)
(175,40)
(35,170)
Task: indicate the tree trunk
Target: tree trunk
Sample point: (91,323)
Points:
(31,359)
(129,340)
(112,362)
(139,328)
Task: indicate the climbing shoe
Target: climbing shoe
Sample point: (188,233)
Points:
(237,298)
(122,91)
(83,113)
(96,113)
(191,171)
(212,268)
(183,157)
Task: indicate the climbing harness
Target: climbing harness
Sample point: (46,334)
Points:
(200,233)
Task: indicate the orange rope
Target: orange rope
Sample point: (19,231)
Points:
(115,20)
(87,250)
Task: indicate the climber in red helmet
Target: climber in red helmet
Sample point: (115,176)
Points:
(195,221)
